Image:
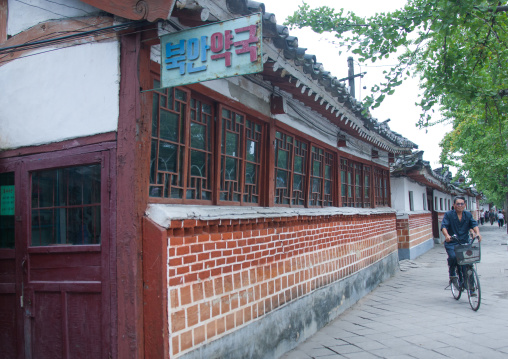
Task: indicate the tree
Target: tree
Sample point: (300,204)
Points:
(459,50)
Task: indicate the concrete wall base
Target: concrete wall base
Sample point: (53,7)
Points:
(282,330)
(416,251)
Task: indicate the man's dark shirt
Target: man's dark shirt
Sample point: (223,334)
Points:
(460,228)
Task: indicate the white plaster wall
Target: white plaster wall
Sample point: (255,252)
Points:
(400,188)
(22,15)
(418,191)
(445,197)
(58,95)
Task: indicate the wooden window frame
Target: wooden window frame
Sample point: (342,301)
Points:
(381,187)
(294,146)
(184,180)
(325,158)
(257,134)
(356,185)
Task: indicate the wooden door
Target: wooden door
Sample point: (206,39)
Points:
(56,280)
(10,311)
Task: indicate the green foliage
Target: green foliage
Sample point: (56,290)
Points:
(459,49)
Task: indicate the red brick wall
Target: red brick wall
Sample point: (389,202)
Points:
(414,230)
(223,274)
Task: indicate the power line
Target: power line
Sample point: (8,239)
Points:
(63,39)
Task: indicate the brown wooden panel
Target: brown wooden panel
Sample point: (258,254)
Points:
(150,10)
(8,326)
(155,290)
(7,288)
(92,287)
(3,20)
(47,331)
(83,273)
(84,325)
(64,260)
(7,270)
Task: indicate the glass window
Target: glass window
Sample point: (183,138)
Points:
(320,190)
(424,198)
(411,201)
(290,170)
(381,183)
(66,206)
(241,144)
(366,187)
(7,208)
(169,108)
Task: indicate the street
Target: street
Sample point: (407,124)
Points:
(411,315)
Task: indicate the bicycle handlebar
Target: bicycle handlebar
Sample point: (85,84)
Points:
(470,240)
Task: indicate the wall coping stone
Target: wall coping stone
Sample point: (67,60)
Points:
(163,214)
(405,215)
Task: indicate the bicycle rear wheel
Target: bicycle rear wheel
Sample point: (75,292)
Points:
(474,292)
(455,287)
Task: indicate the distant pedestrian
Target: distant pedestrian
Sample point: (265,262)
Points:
(500,219)
(486,216)
(492,217)
(482,219)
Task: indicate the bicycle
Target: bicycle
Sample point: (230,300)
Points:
(467,258)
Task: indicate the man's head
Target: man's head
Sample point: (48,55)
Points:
(459,203)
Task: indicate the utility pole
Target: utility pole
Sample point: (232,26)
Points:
(351,76)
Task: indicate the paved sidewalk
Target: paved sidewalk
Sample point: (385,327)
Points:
(411,315)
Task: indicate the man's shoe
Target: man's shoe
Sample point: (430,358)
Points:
(472,293)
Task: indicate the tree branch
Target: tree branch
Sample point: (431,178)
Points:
(503,8)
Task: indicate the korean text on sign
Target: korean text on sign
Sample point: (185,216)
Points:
(186,53)
(214,51)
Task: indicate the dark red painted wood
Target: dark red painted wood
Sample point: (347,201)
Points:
(66,289)
(135,9)
(156,334)
(67,296)
(131,186)
(103,140)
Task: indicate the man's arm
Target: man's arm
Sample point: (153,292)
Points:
(477,232)
(448,238)
(444,227)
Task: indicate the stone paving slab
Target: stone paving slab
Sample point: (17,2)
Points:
(413,314)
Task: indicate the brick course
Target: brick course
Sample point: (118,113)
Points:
(414,230)
(223,274)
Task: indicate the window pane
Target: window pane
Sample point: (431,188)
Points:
(198,135)
(230,171)
(282,159)
(231,144)
(169,125)
(73,214)
(7,208)
(316,168)
(198,163)
(282,180)
(250,173)
(250,149)
(167,157)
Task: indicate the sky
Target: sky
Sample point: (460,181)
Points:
(400,107)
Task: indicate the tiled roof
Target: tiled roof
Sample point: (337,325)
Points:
(290,68)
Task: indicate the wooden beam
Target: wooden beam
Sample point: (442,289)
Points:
(150,10)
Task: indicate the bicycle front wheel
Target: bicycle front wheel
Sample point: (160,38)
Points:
(455,287)
(474,292)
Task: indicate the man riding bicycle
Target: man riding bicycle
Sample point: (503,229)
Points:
(457,222)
